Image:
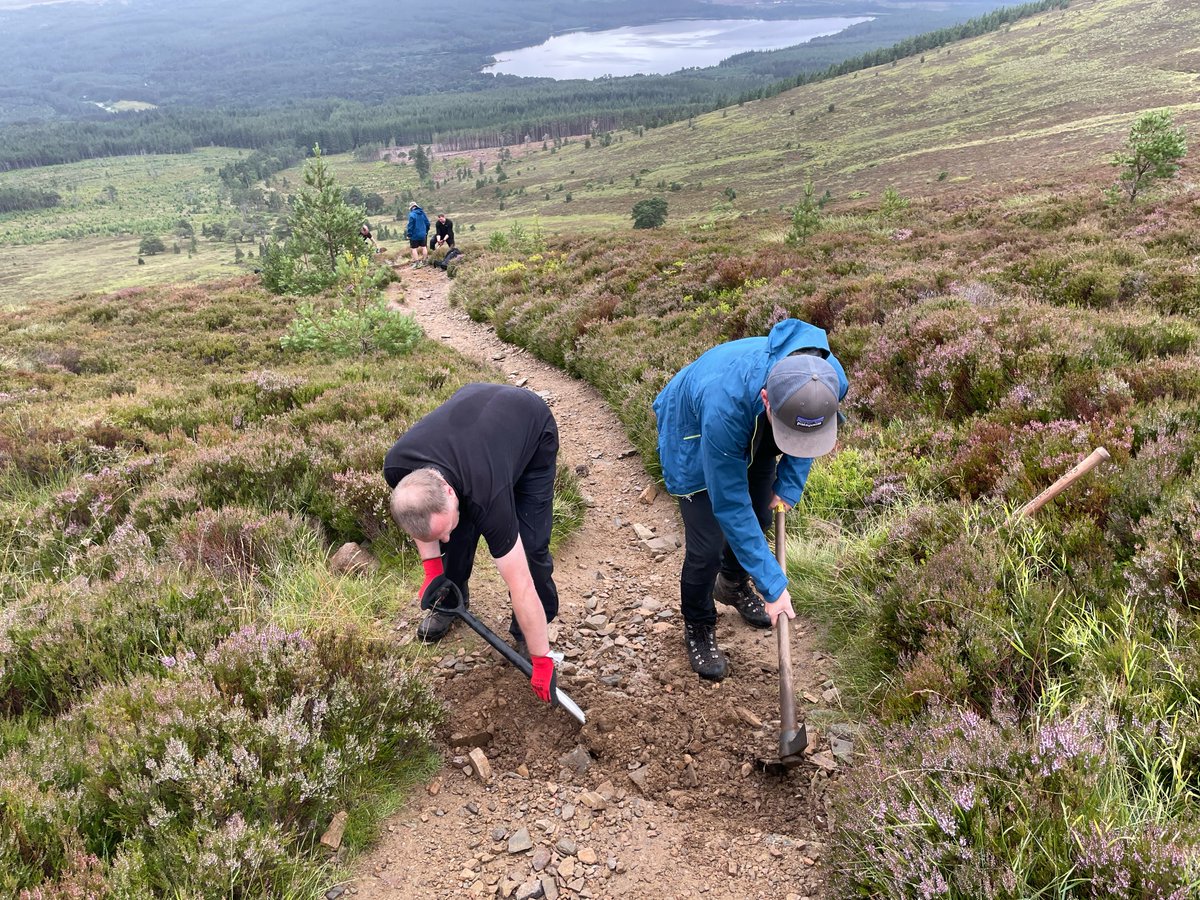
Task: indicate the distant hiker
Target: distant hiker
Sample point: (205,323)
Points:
(417,230)
(365,233)
(723,423)
(444,233)
(483,464)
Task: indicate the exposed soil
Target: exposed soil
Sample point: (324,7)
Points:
(658,795)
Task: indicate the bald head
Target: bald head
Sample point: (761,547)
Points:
(417,499)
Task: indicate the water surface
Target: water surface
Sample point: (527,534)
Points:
(661,48)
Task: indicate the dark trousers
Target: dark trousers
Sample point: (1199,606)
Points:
(706,552)
(534,493)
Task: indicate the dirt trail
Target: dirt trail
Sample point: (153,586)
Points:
(656,796)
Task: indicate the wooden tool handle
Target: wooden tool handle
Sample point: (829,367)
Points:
(1093,459)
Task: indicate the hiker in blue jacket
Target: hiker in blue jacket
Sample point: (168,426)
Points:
(417,232)
(737,433)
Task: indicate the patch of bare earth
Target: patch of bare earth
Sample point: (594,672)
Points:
(657,796)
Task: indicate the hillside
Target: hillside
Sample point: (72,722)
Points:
(1039,105)
(1002,706)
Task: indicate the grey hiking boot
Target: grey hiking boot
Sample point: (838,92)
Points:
(703,653)
(744,598)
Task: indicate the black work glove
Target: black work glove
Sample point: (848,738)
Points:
(441,593)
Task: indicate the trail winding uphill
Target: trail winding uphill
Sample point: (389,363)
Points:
(657,796)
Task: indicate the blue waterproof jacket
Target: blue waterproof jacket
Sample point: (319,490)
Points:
(707,415)
(418,224)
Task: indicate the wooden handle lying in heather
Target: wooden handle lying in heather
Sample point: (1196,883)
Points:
(1093,459)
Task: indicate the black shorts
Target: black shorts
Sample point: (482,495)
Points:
(414,244)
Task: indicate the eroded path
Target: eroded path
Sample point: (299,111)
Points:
(657,796)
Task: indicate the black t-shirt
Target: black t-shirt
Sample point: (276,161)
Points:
(445,229)
(482,439)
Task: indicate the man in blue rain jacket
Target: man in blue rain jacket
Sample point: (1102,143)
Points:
(737,433)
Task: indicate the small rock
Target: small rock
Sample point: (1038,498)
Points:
(479,738)
(578,760)
(530,890)
(748,717)
(649,495)
(593,800)
(351,559)
(541,858)
(523,770)
(824,761)
(568,812)
(638,777)
(643,533)
(843,750)
(587,856)
(596,622)
(565,846)
(334,892)
(480,765)
(549,887)
(332,838)
(831,695)
(520,841)
(499,833)
(660,545)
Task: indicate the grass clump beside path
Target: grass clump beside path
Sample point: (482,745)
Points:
(1029,690)
(188,695)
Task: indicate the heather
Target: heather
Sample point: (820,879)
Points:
(188,693)
(1027,689)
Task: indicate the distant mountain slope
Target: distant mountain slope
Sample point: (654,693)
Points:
(1047,100)
(60,60)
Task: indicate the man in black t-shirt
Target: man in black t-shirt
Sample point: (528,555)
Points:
(483,465)
(443,233)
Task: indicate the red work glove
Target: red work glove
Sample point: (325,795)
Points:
(433,568)
(543,680)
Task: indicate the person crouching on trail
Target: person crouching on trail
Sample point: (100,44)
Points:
(737,433)
(483,465)
(417,232)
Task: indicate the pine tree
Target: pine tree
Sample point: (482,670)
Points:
(323,226)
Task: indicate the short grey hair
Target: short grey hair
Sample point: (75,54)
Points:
(416,498)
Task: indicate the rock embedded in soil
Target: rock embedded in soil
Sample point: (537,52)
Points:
(351,559)
(520,842)
(480,765)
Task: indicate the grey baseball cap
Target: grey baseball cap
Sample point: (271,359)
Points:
(803,395)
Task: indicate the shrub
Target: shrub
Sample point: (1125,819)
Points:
(69,639)
(234,542)
(961,806)
(350,329)
(262,468)
(215,778)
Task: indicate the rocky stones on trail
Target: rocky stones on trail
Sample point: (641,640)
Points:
(649,495)
(578,760)
(520,842)
(587,856)
(351,559)
(480,764)
(530,890)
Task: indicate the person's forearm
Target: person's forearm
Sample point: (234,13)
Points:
(532,619)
